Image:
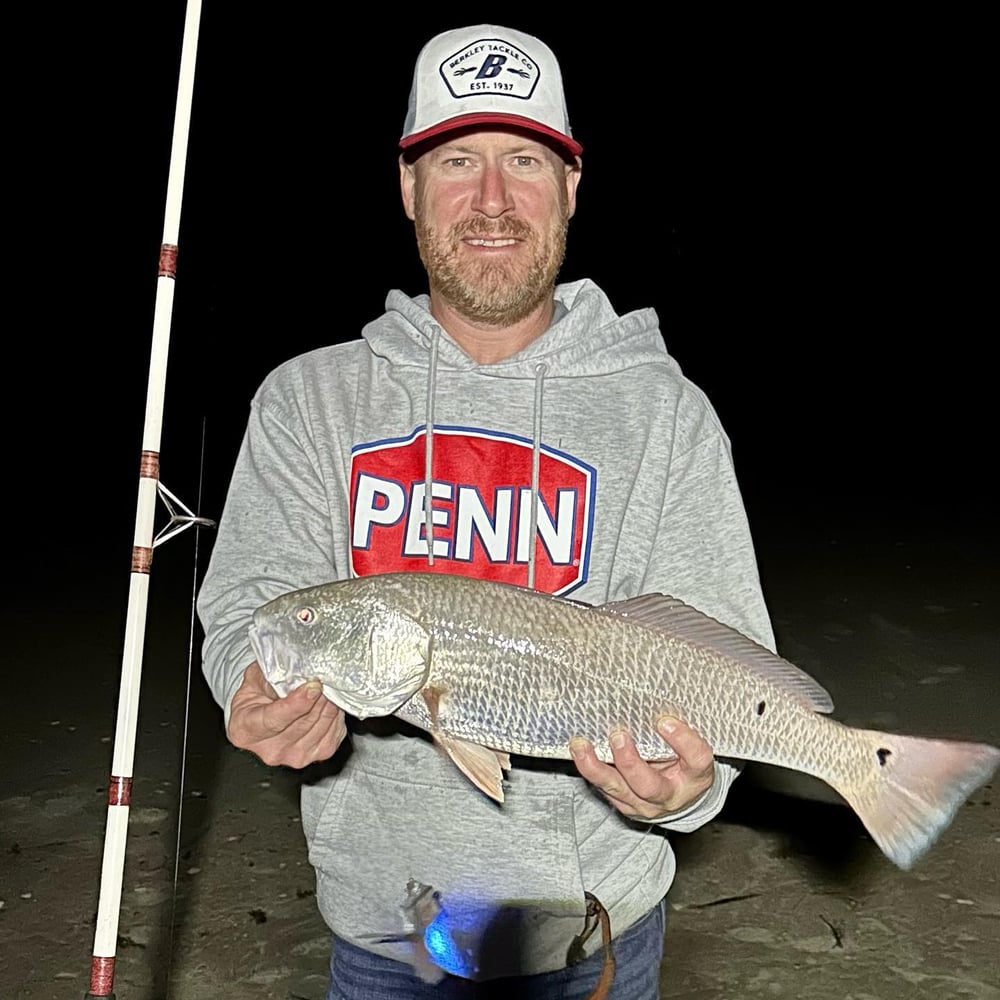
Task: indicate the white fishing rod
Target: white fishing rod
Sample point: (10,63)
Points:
(102,966)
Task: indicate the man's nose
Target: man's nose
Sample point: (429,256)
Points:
(493,196)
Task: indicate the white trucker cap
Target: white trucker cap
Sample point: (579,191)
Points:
(485,75)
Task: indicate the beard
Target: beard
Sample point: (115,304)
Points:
(497,292)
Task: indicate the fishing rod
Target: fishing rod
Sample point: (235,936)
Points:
(102,965)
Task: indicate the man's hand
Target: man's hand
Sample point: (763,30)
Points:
(643,789)
(295,731)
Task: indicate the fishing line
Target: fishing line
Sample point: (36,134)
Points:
(187,714)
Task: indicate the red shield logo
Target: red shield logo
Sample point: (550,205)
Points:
(481,509)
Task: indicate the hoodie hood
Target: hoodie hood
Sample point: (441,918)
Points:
(587,337)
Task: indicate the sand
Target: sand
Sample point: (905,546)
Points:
(784,895)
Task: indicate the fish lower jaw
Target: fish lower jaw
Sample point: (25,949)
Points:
(359,709)
(361,704)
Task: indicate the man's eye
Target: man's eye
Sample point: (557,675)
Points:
(457,161)
(525,161)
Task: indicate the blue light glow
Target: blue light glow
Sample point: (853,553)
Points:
(439,939)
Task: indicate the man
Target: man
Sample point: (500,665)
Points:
(502,426)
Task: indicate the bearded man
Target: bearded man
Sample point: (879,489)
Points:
(502,426)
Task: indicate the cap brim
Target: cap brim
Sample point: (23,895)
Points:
(566,145)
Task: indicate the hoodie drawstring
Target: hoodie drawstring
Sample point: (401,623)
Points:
(429,447)
(536,444)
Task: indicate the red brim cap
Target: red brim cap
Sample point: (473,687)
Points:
(487,75)
(566,143)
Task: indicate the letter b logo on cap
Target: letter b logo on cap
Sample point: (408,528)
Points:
(491,66)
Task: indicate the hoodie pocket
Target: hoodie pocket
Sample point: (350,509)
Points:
(508,873)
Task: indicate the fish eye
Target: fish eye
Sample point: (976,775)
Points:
(305,615)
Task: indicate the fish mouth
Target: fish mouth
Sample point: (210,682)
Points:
(261,646)
(279,666)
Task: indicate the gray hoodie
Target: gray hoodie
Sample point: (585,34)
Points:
(586,464)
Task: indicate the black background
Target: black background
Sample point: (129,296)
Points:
(804,201)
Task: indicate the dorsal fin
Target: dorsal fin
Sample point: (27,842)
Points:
(681,621)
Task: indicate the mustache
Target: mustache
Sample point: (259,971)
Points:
(514,228)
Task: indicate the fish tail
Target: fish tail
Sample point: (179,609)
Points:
(910,788)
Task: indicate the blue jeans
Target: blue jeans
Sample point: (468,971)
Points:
(356,974)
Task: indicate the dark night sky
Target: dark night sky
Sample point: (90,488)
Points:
(801,202)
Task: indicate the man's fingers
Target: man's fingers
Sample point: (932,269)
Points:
(284,712)
(312,737)
(603,777)
(587,762)
(255,682)
(323,722)
(643,781)
(308,738)
(692,750)
(642,789)
(293,731)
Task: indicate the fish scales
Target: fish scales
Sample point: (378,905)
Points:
(490,669)
(569,671)
(587,674)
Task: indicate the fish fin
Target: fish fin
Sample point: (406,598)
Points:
(914,789)
(679,620)
(481,765)
(432,696)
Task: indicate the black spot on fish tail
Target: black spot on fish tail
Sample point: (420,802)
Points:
(883,755)
(761,705)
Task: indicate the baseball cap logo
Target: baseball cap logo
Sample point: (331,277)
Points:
(490,66)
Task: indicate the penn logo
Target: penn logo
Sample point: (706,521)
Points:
(481,508)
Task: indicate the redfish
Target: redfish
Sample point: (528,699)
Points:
(490,669)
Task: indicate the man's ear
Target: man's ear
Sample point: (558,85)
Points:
(573,173)
(407,186)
